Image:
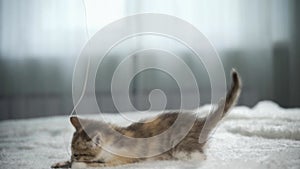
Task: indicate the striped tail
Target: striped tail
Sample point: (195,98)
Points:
(222,109)
(234,92)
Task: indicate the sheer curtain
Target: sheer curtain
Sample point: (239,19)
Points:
(256,37)
(40,41)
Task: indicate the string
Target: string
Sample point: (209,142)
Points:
(86,74)
(88,66)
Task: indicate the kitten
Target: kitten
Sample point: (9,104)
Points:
(102,148)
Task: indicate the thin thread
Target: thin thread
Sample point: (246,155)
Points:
(86,74)
(88,66)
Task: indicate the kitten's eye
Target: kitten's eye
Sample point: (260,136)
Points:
(77,155)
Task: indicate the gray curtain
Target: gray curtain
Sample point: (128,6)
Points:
(40,41)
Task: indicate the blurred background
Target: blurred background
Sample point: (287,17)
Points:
(40,41)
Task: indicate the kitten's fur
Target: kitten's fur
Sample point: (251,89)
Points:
(91,151)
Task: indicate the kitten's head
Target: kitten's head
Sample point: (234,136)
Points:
(86,141)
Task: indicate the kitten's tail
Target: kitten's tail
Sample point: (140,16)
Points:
(223,107)
(234,92)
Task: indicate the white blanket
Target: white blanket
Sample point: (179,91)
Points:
(265,136)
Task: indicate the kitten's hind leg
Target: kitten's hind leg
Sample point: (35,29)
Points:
(63,164)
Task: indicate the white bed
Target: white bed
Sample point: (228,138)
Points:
(265,136)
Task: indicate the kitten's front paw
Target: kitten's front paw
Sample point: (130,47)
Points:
(64,164)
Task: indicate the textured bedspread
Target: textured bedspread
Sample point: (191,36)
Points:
(265,136)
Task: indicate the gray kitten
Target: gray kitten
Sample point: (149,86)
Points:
(94,143)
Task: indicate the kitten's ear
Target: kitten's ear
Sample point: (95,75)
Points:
(96,141)
(76,122)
